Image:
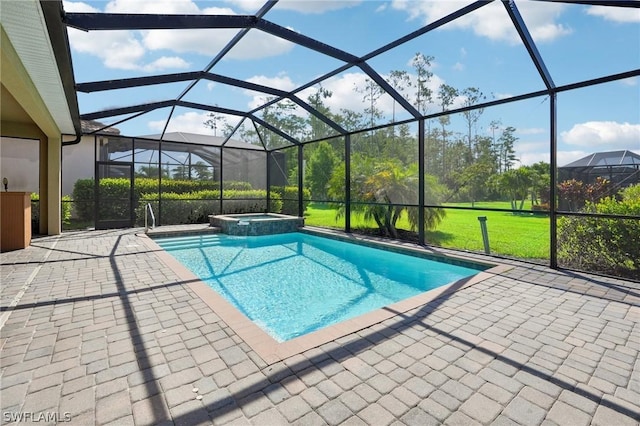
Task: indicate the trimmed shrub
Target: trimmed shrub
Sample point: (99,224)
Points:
(289,195)
(35,209)
(195,207)
(83,197)
(118,188)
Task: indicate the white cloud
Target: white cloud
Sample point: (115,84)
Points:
(251,6)
(583,139)
(534,152)
(492,21)
(117,49)
(78,7)
(531,151)
(615,14)
(631,81)
(189,122)
(603,135)
(306,6)
(503,95)
(316,6)
(345,97)
(529,158)
(257,44)
(458,66)
(129,50)
(549,32)
(166,62)
(282,82)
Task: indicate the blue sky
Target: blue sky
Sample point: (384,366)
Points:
(481,50)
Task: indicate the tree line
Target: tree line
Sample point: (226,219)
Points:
(460,166)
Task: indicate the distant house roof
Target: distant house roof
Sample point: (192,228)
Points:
(204,140)
(604,159)
(90,126)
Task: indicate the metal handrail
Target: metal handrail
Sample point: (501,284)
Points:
(148,209)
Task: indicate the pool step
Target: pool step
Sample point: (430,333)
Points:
(182,230)
(172,243)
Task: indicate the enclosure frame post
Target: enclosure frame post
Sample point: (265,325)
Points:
(268,171)
(421,182)
(221,179)
(300,180)
(347,183)
(553,226)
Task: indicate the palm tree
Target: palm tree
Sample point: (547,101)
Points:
(382,191)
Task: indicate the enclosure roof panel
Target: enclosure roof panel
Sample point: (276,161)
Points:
(201,139)
(338,61)
(611,158)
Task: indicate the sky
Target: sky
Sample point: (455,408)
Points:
(482,50)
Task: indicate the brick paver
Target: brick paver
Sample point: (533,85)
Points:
(110,335)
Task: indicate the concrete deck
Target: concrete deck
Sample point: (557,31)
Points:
(98,329)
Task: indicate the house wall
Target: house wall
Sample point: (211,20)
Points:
(78,162)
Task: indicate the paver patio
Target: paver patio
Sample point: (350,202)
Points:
(96,329)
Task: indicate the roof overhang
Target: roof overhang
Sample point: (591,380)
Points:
(39,49)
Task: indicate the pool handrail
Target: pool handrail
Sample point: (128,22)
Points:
(149,209)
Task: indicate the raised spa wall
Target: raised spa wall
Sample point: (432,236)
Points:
(248,224)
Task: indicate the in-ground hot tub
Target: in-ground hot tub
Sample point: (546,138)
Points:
(256,223)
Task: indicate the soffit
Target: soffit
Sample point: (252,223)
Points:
(24,24)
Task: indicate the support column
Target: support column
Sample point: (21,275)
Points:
(347,183)
(553,207)
(268,168)
(54,186)
(421,182)
(300,180)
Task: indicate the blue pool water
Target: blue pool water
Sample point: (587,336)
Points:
(292,284)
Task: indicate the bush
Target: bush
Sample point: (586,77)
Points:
(289,195)
(118,188)
(195,207)
(35,209)
(601,244)
(83,197)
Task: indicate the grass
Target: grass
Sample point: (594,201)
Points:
(524,236)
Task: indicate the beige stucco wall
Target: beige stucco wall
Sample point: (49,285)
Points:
(77,163)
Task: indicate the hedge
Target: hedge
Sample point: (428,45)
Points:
(118,188)
(183,201)
(65,207)
(195,207)
(289,195)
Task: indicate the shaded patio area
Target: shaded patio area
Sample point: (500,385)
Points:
(97,329)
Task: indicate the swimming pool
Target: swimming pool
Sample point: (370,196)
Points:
(293,284)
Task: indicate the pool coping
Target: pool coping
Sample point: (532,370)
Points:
(272,351)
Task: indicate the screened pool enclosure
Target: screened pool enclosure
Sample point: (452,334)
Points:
(182,182)
(463,114)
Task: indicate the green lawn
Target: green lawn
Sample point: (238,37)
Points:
(523,236)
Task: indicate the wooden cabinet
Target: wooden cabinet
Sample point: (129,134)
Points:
(15,220)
